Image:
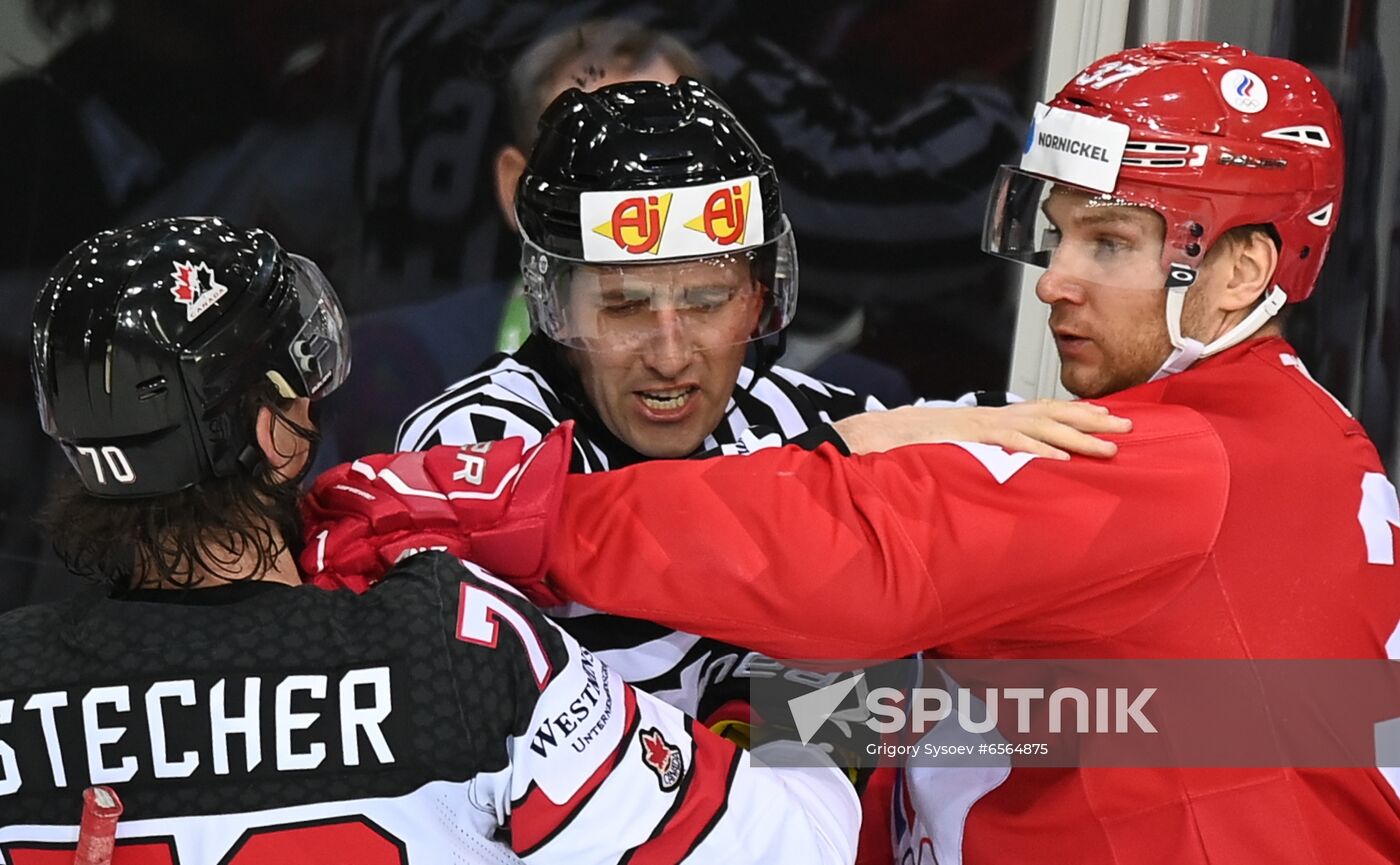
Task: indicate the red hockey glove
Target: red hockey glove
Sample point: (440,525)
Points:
(493,503)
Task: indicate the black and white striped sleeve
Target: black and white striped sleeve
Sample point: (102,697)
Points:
(831,402)
(508,399)
(783,406)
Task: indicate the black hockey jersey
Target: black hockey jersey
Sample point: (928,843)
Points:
(437,718)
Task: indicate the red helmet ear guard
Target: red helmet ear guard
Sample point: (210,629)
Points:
(1224,137)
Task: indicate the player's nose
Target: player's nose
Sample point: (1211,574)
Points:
(669,349)
(1058,285)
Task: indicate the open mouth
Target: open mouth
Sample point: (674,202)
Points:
(667,399)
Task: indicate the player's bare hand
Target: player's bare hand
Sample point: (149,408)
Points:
(1047,428)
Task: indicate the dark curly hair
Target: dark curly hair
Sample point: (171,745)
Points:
(175,539)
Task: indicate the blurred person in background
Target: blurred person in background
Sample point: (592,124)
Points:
(887,157)
(416,348)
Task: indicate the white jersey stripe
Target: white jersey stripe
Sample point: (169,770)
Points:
(650,659)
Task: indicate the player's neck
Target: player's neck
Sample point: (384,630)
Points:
(222,566)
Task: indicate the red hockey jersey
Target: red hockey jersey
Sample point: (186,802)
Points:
(1246,516)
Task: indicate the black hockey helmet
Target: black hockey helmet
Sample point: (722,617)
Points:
(146,338)
(640,174)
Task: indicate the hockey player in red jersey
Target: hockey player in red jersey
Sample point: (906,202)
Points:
(1179,195)
(244,717)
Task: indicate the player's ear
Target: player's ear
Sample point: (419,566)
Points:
(510,164)
(283,447)
(1252,259)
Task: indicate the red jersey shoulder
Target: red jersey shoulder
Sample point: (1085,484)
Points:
(1163,435)
(1290,372)
(1264,402)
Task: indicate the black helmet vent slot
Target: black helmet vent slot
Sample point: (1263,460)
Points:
(151,388)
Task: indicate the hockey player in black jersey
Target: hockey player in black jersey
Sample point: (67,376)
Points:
(245,717)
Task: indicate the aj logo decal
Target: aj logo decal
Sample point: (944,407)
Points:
(725,216)
(637,223)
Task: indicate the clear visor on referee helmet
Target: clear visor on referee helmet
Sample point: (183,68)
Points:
(703,302)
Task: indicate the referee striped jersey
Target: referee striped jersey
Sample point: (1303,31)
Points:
(530,392)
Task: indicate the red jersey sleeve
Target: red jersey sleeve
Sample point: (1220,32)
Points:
(814,555)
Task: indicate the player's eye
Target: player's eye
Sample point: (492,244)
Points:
(708,298)
(625,301)
(623,305)
(1111,244)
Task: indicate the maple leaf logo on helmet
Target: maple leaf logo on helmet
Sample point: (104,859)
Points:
(663,758)
(196,288)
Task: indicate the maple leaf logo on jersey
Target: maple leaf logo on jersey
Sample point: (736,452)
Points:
(663,758)
(196,288)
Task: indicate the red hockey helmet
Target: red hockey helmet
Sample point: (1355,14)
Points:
(1216,137)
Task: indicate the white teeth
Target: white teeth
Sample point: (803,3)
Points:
(663,403)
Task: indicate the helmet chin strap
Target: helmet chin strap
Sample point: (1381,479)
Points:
(1185,350)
